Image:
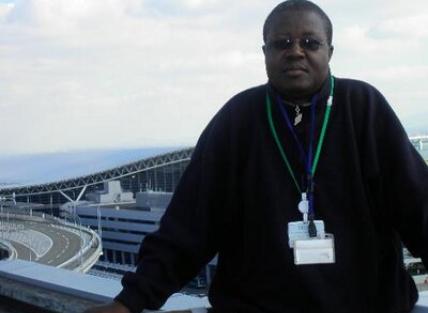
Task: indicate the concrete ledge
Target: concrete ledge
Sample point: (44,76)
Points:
(65,291)
(40,288)
(63,281)
(33,298)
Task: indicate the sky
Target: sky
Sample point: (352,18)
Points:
(31,169)
(111,74)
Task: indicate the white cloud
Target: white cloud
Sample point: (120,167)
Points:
(409,27)
(405,73)
(80,74)
(5,9)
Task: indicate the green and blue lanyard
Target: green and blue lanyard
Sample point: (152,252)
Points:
(309,159)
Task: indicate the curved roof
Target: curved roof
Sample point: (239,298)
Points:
(102,176)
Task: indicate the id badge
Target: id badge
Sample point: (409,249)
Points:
(299,231)
(314,250)
(307,250)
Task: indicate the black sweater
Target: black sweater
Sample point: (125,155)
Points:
(236,198)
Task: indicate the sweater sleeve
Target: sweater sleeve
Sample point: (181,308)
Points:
(402,180)
(186,239)
(406,180)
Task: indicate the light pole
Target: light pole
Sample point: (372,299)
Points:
(75,218)
(100,229)
(1,219)
(81,239)
(29,243)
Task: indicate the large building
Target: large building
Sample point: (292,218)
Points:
(158,173)
(114,203)
(121,224)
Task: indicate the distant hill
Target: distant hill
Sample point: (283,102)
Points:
(49,167)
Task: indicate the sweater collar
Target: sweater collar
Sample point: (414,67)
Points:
(323,92)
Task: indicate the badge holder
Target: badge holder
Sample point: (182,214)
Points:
(307,250)
(314,250)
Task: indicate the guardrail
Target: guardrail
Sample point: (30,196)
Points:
(87,245)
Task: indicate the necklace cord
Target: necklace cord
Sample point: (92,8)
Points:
(319,145)
(278,143)
(324,126)
(288,122)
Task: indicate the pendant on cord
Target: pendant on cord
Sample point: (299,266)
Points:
(303,207)
(299,115)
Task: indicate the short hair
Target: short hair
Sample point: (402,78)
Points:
(299,5)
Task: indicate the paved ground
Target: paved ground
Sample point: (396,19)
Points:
(65,244)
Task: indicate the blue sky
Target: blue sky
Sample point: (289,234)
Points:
(48,167)
(108,74)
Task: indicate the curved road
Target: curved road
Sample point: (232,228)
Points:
(65,244)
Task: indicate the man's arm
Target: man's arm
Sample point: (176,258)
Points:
(403,183)
(187,237)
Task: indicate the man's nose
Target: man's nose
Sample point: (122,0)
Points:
(296,49)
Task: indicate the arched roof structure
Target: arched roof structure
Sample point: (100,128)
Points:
(103,176)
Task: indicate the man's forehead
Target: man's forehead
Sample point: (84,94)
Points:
(305,22)
(288,9)
(295,16)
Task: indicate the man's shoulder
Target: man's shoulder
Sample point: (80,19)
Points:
(364,100)
(354,84)
(244,102)
(359,94)
(234,118)
(250,94)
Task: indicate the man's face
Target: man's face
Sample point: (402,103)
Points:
(297,70)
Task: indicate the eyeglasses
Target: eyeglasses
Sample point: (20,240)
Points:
(308,44)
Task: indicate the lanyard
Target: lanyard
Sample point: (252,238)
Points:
(303,156)
(311,166)
(307,160)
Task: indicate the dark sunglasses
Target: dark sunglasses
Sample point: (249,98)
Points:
(308,44)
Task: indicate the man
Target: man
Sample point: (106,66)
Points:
(305,187)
